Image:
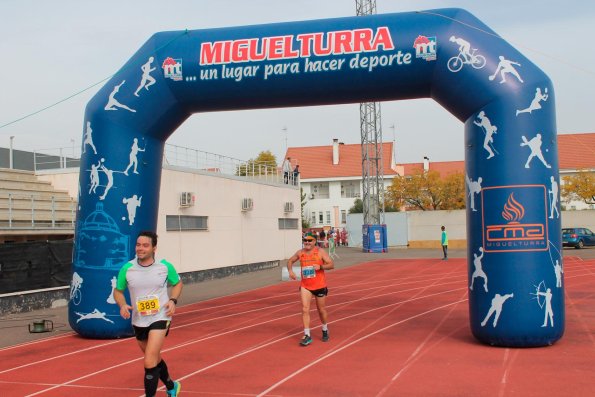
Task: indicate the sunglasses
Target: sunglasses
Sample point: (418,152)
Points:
(308,240)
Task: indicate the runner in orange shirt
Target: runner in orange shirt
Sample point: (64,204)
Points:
(314,261)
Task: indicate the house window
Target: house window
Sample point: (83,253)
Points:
(328,217)
(185,222)
(320,190)
(288,223)
(350,189)
(314,218)
(320,217)
(343,216)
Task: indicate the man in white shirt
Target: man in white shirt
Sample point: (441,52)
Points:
(147,279)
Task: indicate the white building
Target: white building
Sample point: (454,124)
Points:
(331,176)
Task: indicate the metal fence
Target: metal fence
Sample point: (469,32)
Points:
(57,158)
(37,211)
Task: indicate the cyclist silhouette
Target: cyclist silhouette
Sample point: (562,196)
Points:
(464,46)
(75,286)
(465,57)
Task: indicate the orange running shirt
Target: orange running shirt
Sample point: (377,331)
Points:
(311,259)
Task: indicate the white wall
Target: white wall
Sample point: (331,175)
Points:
(234,237)
(424,226)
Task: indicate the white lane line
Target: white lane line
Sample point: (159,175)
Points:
(63,355)
(420,351)
(324,357)
(218,333)
(34,342)
(260,346)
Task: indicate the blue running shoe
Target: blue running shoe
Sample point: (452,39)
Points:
(175,392)
(306,340)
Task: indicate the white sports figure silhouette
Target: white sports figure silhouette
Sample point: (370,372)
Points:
(535,146)
(559,271)
(474,188)
(497,302)
(535,105)
(554,201)
(110,179)
(94,314)
(549,314)
(478,272)
(133,160)
(506,66)
(112,102)
(489,131)
(94,177)
(147,80)
(110,299)
(89,139)
(464,46)
(132,203)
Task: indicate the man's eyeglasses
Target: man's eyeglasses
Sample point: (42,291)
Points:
(307,241)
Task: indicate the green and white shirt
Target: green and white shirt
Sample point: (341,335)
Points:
(148,289)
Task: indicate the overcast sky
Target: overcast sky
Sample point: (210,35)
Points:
(51,50)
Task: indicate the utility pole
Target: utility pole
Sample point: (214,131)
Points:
(371,138)
(284,129)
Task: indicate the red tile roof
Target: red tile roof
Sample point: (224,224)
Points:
(317,161)
(575,151)
(443,167)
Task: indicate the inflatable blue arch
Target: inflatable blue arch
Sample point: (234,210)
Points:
(516,293)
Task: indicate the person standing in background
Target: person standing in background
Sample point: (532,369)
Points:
(296,174)
(287,170)
(444,242)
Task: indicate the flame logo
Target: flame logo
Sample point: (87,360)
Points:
(513,210)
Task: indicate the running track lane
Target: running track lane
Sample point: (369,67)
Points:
(398,327)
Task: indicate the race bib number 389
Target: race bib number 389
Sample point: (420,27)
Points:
(147,305)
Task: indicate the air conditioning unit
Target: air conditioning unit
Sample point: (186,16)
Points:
(247,204)
(186,199)
(288,207)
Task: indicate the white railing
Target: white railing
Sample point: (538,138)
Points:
(33,211)
(211,162)
(66,157)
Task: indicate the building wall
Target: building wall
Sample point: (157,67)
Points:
(335,201)
(423,227)
(234,237)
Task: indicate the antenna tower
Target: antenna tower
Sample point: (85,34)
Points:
(371,136)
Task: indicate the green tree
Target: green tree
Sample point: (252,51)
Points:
(454,191)
(264,164)
(305,222)
(358,207)
(580,187)
(427,191)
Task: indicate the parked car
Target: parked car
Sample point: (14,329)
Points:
(577,237)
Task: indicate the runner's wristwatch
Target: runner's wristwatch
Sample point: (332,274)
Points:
(174,300)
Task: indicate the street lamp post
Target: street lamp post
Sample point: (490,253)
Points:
(10,155)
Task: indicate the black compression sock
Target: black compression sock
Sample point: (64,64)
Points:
(164,375)
(151,381)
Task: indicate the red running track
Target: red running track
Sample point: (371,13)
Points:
(397,327)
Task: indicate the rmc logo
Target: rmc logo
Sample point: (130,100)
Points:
(519,220)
